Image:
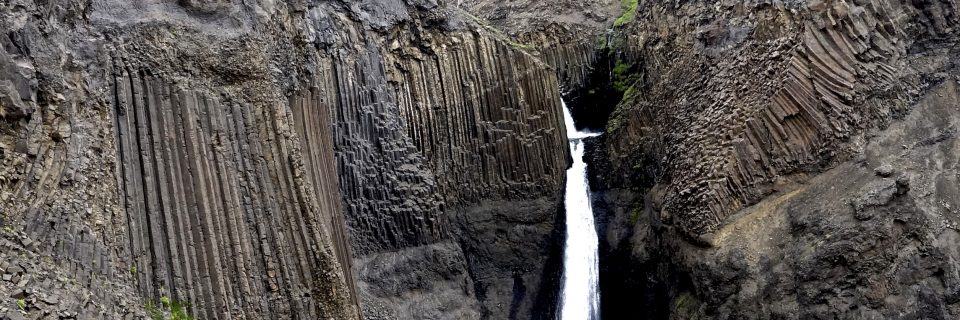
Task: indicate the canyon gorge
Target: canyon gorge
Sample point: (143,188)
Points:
(411,159)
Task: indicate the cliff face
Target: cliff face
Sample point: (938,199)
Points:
(404,159)
(450,156)
(750,168)
(274,159)
(568,36)
(153,161)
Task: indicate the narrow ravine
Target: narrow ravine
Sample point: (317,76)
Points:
(580,296)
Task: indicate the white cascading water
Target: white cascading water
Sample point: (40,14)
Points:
(580,296)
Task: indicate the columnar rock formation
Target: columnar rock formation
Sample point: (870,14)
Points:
(218,214)
(821,75)
(743,156)
(252,160)
(391,159)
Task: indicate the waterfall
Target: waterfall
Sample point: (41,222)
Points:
(580,295)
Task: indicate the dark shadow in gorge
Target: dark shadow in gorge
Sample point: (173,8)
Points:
(637,278)
(546,302)
(591,105)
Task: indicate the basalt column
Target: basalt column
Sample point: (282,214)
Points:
(450,156)
(487,119)
(222,216)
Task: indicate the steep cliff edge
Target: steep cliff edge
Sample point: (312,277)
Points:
(749,171)
(154,167)
(274,160)
(403,159)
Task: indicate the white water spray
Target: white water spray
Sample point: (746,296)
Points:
(580,296)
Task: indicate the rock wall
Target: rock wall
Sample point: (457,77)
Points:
(822,74)
(275,159)
(428,130)
(219,216)
(744,167)
(570,36)
(492,136)
(182,187)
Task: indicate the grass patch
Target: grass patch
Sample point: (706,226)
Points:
(629,12)
(179,312)
(175,310)
(153,311)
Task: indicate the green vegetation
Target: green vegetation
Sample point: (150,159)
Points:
(22,304)
(635,215)
(686,305)
(133,269)
(154,312)
(176,310)
(623,78)
(629,12)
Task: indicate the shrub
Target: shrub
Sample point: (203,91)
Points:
(629,12)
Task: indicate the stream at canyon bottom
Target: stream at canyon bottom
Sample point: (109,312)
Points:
(580,296)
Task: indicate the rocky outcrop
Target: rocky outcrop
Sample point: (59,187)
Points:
(821,76)
(166,174)
(568,36)
(275,159)
(741,179)
(435,129)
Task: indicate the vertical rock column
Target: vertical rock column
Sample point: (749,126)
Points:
(222,214)
(487,119)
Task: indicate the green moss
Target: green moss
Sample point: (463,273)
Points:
(154,312)
(686,305)
(22,304)
(523,46)
(602,42)
(623,77)
(177,310)
(133,269)
(635,215)
(629,12)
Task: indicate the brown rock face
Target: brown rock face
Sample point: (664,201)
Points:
(742,161)
(274,160)
(387,159)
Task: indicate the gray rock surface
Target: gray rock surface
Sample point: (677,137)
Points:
(785,160)
(404,159)
(273,159)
